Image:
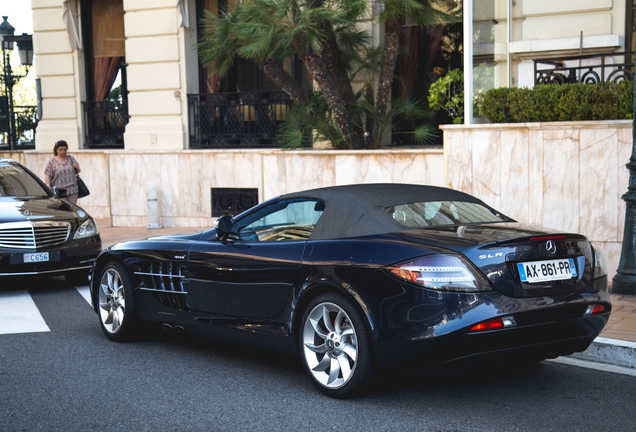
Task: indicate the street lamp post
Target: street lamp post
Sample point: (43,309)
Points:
(625,280)
(25,49)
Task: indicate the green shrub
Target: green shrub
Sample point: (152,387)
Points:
(566,102)
(522,106)
(495,105)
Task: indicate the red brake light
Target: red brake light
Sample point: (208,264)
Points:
(595,309)
(493,324)
(549,237)
(598,309)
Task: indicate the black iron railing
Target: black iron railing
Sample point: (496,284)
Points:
(105,123)
(235,120)
(589,69)
(26,121)
(232,201)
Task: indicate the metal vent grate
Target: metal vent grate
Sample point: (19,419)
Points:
(166,282)
(33,235)
(232,201)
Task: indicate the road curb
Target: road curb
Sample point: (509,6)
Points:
(610,351)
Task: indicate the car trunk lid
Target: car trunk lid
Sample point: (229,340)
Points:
(520,260)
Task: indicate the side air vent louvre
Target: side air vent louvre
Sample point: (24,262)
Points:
(166,282)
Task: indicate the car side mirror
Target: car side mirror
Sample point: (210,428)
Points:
(223,225)
(60,192)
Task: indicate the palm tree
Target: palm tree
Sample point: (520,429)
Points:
(326,37)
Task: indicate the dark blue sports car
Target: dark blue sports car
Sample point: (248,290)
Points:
(365,279)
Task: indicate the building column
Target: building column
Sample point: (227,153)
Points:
(157,89)
(60,69)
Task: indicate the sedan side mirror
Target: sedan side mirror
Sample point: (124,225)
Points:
(223,225)
(60,192)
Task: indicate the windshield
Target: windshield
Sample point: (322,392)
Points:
(16,182)
(437,213)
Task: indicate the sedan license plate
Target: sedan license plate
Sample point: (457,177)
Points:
(36,257)
(543,271)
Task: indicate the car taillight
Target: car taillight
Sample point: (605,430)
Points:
(494,324)
(443,273)
(595,309)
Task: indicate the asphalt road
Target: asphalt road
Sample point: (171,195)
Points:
(72,378)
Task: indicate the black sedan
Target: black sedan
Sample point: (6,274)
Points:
(365,279)
(41,233)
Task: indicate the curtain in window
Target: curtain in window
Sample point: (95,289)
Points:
(183,15)
(108,44)
(409,60)
(106,69)
(71,19)
(435,34)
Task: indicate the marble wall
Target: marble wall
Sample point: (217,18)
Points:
(566,175)
(117,179)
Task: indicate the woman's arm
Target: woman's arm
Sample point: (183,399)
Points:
(75,164)
(49,173)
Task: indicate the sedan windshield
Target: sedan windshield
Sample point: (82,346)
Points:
(16,182)
(436,213)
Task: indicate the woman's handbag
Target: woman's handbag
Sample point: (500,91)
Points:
(83,190)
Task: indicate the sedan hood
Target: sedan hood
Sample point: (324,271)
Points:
(35,209)
(498,249)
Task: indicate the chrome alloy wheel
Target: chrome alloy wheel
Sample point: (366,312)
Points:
(330,345)
(112,301)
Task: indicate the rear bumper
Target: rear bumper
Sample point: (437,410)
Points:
(546,327)
(464,350)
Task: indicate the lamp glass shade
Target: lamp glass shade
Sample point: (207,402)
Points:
(25,49)
(7,44)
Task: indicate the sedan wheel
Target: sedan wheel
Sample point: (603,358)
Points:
(116,302)
(335,348)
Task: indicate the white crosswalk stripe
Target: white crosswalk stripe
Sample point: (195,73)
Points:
(20,314)
(85,292)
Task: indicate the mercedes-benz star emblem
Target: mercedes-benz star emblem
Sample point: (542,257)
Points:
(551,247)
(27,213)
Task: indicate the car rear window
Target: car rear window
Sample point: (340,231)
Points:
(440,213)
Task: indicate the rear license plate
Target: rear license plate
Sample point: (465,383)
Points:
(551,270)
(36,257)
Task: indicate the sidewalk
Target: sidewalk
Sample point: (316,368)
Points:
(616,345)
(111,235)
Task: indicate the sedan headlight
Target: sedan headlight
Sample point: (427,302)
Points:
(443,273)
(86,229)
(600,269)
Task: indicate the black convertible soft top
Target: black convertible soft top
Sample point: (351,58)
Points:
(359,210)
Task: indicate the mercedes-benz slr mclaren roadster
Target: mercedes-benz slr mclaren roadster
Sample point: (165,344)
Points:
(364,280)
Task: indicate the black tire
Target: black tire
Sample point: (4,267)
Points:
(116,304)
(337,355)
(77,278)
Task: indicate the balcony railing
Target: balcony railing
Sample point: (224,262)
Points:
(236,120)
(26,121)
(589,69)
(105,123)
